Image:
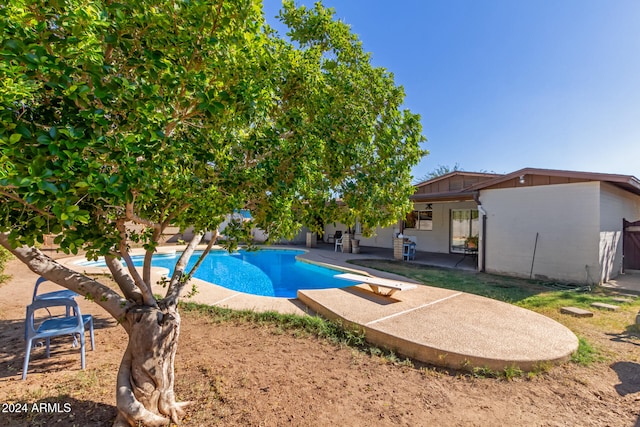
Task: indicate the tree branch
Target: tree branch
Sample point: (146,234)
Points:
(131,216)
(145,288)
(28,205)
(123,279)
(53,271)
(148,255)
(212,242)
(177,280)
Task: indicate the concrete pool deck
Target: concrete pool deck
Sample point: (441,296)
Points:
(433,325)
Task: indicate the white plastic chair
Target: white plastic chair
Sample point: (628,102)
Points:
(338,244)
(56,326)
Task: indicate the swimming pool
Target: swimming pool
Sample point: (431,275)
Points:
(270,272)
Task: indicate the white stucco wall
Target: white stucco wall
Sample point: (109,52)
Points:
(567,220)
(615,204)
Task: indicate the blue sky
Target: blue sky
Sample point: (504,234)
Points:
(502,85)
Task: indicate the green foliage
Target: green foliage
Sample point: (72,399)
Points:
(5,256)
(182,112)
(438,172)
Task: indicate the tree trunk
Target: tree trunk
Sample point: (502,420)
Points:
(146,375)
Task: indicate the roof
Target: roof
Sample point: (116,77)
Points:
(457,173)
(522,177)
(451,186)
(626,182)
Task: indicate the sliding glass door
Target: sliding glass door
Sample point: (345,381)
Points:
(464,224)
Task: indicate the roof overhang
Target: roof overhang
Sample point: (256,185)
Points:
(626,182)
(445,197)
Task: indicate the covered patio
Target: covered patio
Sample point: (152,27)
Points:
(434,259)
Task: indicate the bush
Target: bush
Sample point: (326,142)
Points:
(5,256)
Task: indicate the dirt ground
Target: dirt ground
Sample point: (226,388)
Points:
(256,375)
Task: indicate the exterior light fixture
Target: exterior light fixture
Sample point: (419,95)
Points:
(521,179)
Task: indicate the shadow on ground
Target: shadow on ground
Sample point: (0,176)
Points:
(630,336)
(63,355)
(60,411)
(629,376)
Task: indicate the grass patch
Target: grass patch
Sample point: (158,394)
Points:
(496,287)
(508,373)
(585,354)
(300,325)
(530,294)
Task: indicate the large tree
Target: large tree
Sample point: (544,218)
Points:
(155,113)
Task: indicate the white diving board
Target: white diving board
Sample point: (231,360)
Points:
(375,283)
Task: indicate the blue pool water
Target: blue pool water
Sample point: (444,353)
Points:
(274,273)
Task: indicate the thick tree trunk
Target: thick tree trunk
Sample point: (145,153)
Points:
(146,376)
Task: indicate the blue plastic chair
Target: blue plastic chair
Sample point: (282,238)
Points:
(56,326)
(64,293)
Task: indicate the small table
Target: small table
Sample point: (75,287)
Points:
(408,251)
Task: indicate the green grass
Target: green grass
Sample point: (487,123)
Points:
(586,354)
(530,294)
(300,325)
(491,286)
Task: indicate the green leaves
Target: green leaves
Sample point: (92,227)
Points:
(184,112)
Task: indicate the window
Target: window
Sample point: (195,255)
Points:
(464,224)
(421,219)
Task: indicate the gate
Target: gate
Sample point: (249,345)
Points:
(630,245)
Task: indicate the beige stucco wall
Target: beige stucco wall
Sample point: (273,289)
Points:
(567,220)
(437,239)
(615,204)
(382,238)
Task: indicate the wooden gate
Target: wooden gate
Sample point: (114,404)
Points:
(631,245)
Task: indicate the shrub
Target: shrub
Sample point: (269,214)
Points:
(5,256)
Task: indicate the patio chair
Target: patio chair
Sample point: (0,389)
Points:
(408,251)
(63,293)
(333,237)
(338,239)
(56,326)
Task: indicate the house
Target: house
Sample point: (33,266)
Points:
(540,223)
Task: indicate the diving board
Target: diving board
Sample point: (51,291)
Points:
(375,283)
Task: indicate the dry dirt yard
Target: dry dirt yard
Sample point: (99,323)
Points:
(244,374)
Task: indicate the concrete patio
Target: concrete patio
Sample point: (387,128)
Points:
(457,261)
